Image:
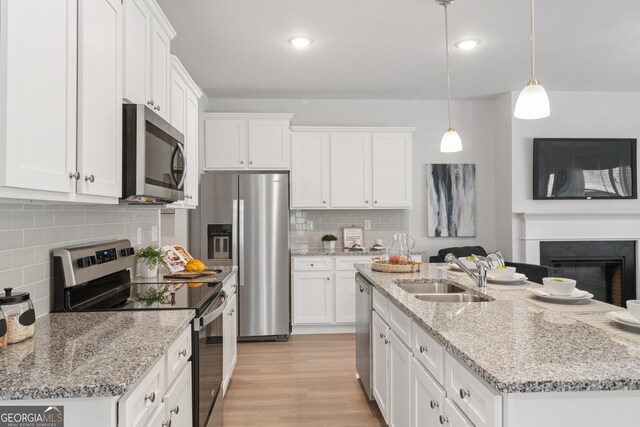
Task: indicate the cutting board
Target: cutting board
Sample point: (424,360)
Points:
(191,274)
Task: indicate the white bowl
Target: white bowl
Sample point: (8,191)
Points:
(559,285)
(633,305)
(468,263)
(502,272)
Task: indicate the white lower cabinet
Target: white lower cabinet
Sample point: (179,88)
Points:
(417,383)
(379,363)
(427,397)
(230,339)
(163,397)
(323,293)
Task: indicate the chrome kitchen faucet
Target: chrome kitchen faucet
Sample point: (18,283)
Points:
(481,264)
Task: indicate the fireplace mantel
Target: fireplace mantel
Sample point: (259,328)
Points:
(573,226)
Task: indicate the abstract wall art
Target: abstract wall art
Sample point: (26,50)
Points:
(451,203)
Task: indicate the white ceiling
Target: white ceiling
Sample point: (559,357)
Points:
(394,49)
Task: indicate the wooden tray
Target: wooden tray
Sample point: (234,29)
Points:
(411,267)
(191,274)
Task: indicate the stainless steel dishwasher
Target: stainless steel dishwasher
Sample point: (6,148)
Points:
(363,332)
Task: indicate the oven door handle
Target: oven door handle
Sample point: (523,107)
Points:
(210,317)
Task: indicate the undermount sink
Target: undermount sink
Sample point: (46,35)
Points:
(434,287)
(452,298)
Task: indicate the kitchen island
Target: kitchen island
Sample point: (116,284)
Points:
(533,363)
(89,362)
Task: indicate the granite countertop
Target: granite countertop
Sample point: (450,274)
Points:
(519,344)
(212,278)
(94,354)
(340,252)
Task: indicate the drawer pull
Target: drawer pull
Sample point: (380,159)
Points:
(386,341)
(423,349)
(166,423)
(175,410)
(434,404)
(361,289)
(381,335)
(443,419)
(151,397)
(311,265)
(464,393)
(183,352)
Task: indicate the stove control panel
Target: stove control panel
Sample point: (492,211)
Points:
(106,255)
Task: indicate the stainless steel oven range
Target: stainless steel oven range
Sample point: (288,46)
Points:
(96,276)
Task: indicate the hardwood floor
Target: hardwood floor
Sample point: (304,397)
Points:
(308,381)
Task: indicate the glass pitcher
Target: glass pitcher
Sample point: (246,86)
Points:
(400,252)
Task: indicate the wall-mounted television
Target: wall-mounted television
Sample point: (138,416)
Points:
(573,168)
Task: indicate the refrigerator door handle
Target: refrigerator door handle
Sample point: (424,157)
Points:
(234,233)
(241,243)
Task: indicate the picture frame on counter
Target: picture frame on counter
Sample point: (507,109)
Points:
(352,236)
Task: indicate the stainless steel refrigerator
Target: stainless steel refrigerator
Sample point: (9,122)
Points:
(244,221)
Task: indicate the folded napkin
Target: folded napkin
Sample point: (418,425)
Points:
(577,293)
(624,316)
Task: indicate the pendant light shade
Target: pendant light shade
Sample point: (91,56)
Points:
(451,141)
(533,101)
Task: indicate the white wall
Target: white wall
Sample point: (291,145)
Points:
(573,115)
(474,120)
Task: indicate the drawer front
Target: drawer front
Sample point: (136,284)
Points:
(380,305)
(178,399)
(136,408)
(312,264)
(481,404)
(452,417)
(178,355)
(346,262)
(428,352)
(400,323)
(159,418)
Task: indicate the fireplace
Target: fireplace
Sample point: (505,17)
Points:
(607,269)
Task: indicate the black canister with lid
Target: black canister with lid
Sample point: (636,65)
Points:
(19,314)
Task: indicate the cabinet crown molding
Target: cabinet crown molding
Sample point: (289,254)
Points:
(162,19)
(214,115)
(179,68)
(351,129)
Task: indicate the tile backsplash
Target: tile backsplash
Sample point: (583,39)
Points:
(384,223)
(30,232)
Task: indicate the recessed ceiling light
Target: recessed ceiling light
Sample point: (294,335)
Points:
(467,44)
(300,42)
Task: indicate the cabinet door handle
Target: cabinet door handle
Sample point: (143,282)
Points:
(250,162)
(183,352)
(157,108)
(366,201)
(324,202)
(434,404)
(375,201)
(443,419)
(90,178)
(75,175)
(464,393)
(167,423)
(150,102)
(386,341)
(175,410)
(423,349)
(151,397)
(242,162)
(311,265)
(381,335)
(361,289)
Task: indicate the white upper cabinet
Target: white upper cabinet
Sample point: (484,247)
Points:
(247,141)
(137,51)
(269,141)
(366,168)
(38,94)
(310,172)
(184,113)
(391,170)
(350,170)
(147,38)
(100,97)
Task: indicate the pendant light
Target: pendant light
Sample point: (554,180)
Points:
(451,141)
(533,101)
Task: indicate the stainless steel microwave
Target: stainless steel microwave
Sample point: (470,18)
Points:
(153,157)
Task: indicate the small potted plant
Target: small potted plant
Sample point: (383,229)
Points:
(148,261)
(329,242)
